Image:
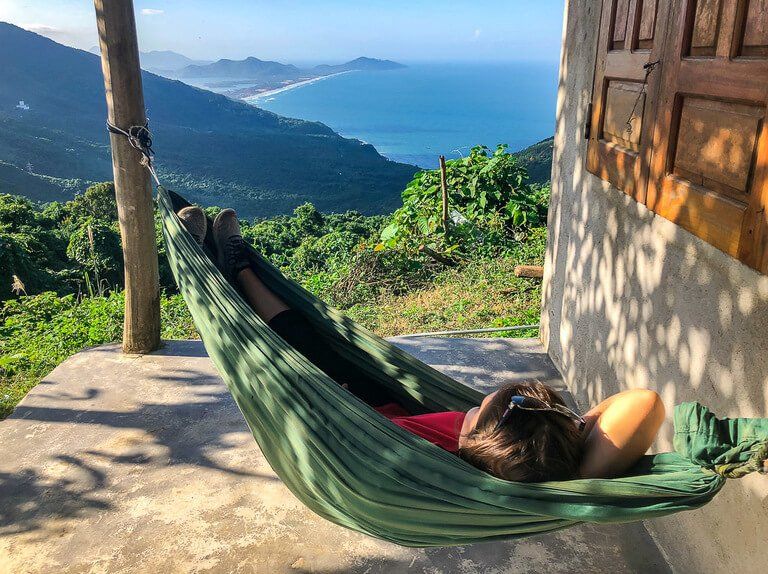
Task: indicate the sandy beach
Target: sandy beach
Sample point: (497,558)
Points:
(267,93)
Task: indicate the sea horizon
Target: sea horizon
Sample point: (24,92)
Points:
(415,114)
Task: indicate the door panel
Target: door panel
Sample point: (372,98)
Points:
(708,168)
(623,101)
(705,28)
(753,40)
(646,28)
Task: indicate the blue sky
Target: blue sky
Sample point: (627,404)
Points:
(320,30)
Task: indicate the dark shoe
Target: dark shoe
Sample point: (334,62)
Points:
(230,245)
(196,223)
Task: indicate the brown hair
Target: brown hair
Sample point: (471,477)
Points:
(531,446)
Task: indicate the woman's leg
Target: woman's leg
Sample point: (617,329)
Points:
(301,335)
(619,431)
(266,304)
(290,325)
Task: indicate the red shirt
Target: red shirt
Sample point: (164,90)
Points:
(442,429)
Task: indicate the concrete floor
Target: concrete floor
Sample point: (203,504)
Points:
(144,464)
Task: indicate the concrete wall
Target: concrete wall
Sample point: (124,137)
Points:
(633,301)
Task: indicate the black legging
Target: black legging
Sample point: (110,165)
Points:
(301,335)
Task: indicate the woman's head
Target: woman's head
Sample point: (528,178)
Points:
(530,446)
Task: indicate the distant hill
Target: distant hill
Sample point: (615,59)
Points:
(167,62)
(248,69)
(214,149)
(359,64)
(162,62)
(538,160)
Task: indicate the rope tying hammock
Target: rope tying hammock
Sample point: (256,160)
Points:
(355,468)
(140,139)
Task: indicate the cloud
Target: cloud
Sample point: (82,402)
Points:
(151,12)
(43,29)
(63,35)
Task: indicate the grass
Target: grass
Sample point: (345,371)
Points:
(482,294)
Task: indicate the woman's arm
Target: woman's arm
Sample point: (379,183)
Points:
(619,431)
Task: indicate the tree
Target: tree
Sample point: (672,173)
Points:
(308,220)
(31,247)
(97,203)
(96,248)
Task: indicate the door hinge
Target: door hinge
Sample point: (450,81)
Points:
(588,123)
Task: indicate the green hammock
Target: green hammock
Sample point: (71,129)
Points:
(355,468)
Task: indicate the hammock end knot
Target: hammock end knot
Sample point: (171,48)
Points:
(758,462)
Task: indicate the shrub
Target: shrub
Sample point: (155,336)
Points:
(32,247)
(491,204)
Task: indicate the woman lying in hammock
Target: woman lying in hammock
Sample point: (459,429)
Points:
(522,432)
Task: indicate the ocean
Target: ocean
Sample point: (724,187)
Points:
(415,114)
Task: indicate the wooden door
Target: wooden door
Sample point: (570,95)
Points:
(709,168)
(625,92)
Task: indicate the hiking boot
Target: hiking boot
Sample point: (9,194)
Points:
(230,245)
(196,223)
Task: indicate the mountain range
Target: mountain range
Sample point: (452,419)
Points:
(262,75)
(248,69)
(362,64)
(210,147)
(254,69)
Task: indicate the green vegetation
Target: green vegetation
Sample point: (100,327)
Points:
(71,247)
(482,293)
(490,207)
(537,160)
(61,266)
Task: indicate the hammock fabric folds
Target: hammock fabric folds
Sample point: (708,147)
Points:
(355,468)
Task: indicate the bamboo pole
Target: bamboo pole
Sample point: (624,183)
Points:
(125,108)
(444,185)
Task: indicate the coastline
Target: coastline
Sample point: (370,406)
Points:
(254,98)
